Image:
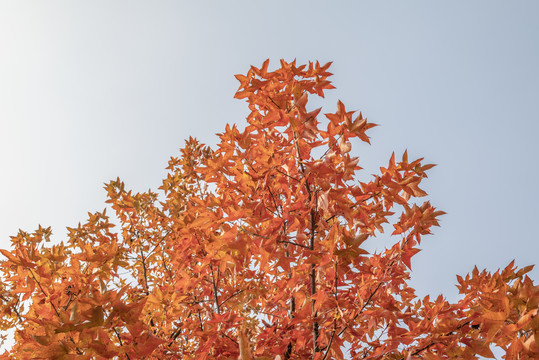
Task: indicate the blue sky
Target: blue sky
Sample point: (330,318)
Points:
(94,90)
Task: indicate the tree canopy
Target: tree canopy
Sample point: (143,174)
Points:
(254,249)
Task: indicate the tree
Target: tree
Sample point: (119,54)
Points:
(254,249)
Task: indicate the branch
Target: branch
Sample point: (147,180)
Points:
(274,103)
(79,352)
(215,294)
(17,311)
(292,243)
(418,351)
(68,301)
(292,310)
(285,174)
(159,243)
(144,271)
(178,330)
(43,291)
(364,305)
(316,330)
(252,233)
(301,165)
(231,296)
(152,324)
(274,202)
(353,206)
(328,347)
(330,146)
(200,319)
(377,287)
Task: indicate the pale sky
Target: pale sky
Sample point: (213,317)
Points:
(93,90)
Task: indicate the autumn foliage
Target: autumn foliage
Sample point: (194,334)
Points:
(255,250)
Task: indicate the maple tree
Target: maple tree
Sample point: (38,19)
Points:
(255,250)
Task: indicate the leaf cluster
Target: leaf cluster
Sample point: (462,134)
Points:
(255,250)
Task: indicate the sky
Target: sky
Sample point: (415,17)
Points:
(92,91)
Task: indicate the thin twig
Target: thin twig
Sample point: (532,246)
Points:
(252,233)
(274,103)
(79,352)
(436,342)
(43,291)
(274,202)
(328,347)
(215,293)
(329,147)
(120,340)
(364,305)
(15,309)
(292,243)
(158,243)
(285,174)
(144,271)
(353,206)
(231,296)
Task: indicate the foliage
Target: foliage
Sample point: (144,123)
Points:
(255,249)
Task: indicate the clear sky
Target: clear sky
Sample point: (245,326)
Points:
(92,90)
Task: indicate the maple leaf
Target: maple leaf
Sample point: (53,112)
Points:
(146,344)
